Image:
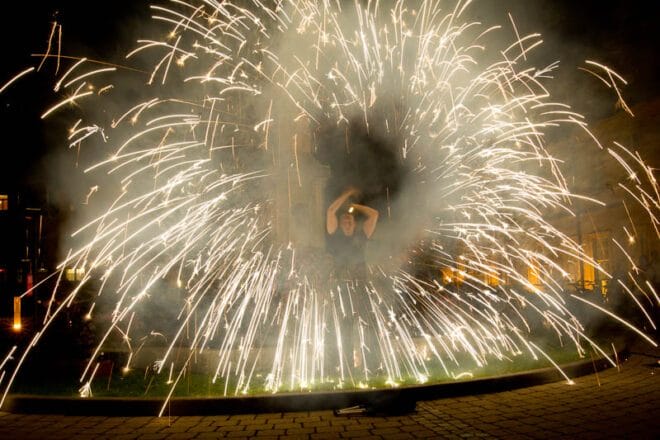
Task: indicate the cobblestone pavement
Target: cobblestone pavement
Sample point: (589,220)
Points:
(621,404)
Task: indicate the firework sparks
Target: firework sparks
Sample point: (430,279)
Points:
(190,178)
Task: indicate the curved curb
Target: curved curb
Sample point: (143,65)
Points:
(388,401)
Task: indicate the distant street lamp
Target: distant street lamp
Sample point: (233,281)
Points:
(18,325)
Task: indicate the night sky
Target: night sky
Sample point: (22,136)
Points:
(621,34)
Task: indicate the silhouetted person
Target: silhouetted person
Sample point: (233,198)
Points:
(347,245)
(348,241)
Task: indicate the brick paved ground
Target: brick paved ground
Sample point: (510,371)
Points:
(612,404)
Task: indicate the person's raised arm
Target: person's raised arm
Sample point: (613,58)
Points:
(369,225)
(331,222)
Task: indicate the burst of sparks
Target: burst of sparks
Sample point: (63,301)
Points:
(189,182)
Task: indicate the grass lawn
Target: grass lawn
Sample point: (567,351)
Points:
(61,380)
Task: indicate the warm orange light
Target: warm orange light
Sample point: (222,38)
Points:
(533,276)
(17,314)
(74,273)
(447,274)
(492,278)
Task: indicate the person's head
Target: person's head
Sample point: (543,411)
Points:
(347,223)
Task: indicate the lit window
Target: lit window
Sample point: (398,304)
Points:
(74,274)
(533,276)
(596,246)
(4,202)
(492,278)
